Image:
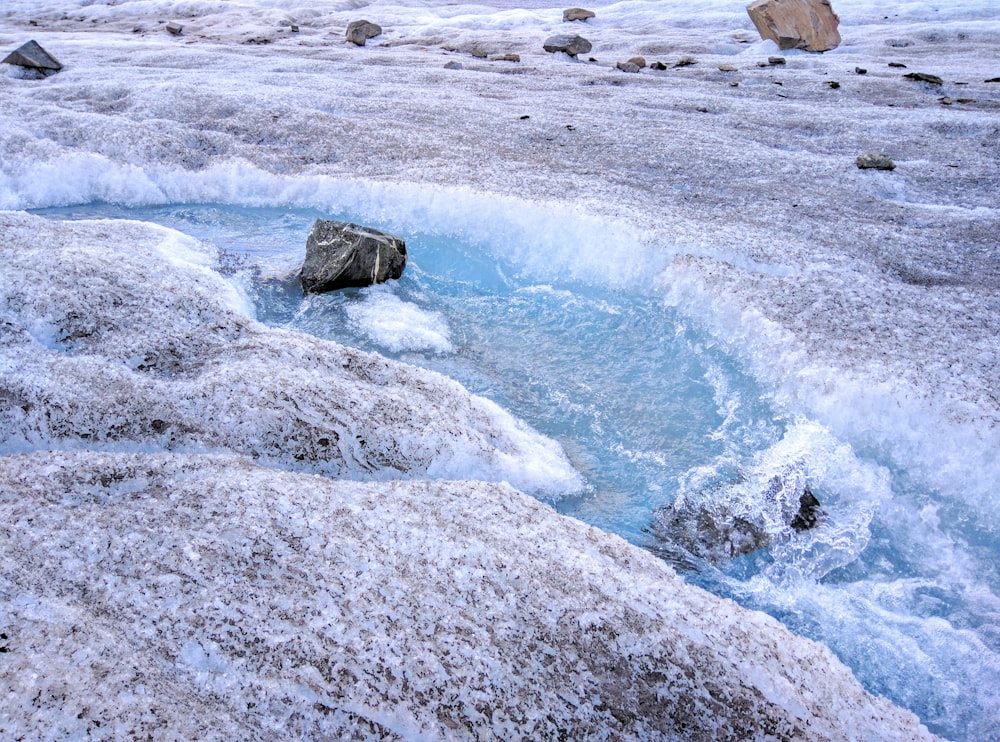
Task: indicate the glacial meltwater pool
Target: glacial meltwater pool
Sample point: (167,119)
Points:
(654,414)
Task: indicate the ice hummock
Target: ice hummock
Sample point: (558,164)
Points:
(213,598)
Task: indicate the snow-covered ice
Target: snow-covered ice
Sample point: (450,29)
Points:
(866,301)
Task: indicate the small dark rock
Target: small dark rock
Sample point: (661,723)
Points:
(897,65)
(833,84)
(993,79)
(809,511)
(924,77)
(860,71)
(685,62)
(175,29)
(31,55)
(340,255)
(774,61)
(874,161)
(453,65)
(569,43)
(627,66)
(577,14)
(358,32)
(505,58)
(658,66)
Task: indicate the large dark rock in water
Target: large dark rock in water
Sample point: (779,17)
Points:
(32,56)
(340,255)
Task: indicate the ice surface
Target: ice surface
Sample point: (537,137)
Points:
(869,302)
(207,597)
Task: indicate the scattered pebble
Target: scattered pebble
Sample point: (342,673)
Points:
(627,66)
(776,60)
(860,70)
(726,68)
(660,66)
(833,84)
(578,14)
(946,101)
(897,65)
(505,58)
(640,62)
(685,62)
(175,28)
(453,65)
(874,161)
(924,77)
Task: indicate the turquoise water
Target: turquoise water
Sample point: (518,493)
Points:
(898,582)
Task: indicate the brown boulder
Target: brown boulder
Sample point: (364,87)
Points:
(358,32)
(796,24)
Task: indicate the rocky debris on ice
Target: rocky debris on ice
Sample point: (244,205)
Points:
(142,345)
(571,44)
(358,32)
(628,66)
(924,77)
(31,57)
(174,28)
(343,255)
(577,14)
(875,161)
(796,24)
(209,597)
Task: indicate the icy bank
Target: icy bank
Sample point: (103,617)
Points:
(116,334)
(207,597)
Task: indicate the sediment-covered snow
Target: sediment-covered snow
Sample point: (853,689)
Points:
(868,301)
(207,597)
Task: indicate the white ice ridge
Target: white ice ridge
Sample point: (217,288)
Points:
(207,597)
(117,335)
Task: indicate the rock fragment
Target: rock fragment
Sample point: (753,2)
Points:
(873,161)
(685,62)
(453,65)
(727,68)
(577,14)
(627,67)
(31,56)
(341,255)
(639,62)
(658,66)
(924,77)
(175,28)
(358,32)
(505,58)
(796,24)
(569,43)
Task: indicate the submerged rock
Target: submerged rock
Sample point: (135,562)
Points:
(731,520)
(342,255)
(796,24)
(569,43)
(31,56)
(358,32)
